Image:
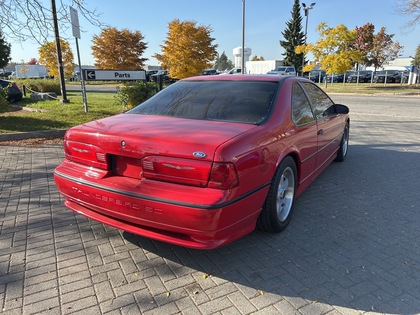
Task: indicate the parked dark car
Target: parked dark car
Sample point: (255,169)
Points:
(363,76)
(210,72)
(14,94)
(206,160)
(164,73)
(316,76)
(390,76)
(5,74)
(334,78)
(149,73)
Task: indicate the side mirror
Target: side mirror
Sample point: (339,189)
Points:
(342,109)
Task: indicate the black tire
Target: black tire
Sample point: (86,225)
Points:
(344,145)
(278,206)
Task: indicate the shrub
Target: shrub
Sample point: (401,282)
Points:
(42,85)
(132,94)
(4,103)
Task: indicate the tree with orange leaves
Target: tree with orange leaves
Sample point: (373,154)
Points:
(48,58)
(119,50)
(188,49)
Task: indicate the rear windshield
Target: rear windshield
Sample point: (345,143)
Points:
(236,101)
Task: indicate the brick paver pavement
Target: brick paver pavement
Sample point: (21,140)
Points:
(352,246)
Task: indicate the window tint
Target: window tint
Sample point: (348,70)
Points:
(237,101)
(301,110)
(321,104)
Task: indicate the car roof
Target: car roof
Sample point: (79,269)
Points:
(242,77)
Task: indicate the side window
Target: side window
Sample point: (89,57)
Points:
(322,105)
(301,110)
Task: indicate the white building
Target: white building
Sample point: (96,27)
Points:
(399,62)
(262,66)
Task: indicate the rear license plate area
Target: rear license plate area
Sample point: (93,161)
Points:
(127,166)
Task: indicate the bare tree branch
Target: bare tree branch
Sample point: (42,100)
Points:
(409,8)
(32,20)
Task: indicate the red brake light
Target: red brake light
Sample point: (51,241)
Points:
(86,154)
(223,176)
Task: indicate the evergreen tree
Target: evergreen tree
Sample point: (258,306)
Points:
(4,52)
(293,37)
(222,63)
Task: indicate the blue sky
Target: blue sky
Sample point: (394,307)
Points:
(264,22)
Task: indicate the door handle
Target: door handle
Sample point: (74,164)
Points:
(320,132)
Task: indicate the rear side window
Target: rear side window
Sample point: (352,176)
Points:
(236,101)
(321,104)
(301,110)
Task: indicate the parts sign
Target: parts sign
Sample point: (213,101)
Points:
(114,75)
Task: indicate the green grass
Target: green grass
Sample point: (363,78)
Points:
(47,115)
(369,89)
(55,115)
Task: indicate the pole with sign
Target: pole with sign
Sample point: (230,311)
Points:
(59,55)
(76,33)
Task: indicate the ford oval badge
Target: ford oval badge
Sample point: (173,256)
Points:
(199,155)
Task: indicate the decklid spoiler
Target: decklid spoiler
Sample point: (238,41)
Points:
(136,135)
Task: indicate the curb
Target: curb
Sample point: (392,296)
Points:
(33,134)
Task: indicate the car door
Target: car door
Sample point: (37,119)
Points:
(306,141)
(329,125)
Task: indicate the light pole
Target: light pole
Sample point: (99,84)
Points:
(306,9)
(243,39)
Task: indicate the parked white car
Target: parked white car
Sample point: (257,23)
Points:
(233,71)
(284,70)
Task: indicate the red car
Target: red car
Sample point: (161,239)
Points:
(206,160)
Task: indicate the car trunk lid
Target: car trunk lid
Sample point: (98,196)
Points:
(155,147)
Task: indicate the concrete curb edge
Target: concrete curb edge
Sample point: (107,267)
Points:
(59,133)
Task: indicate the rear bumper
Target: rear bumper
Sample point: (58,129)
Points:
(186,216)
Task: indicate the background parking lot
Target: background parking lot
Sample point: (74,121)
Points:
(352,246)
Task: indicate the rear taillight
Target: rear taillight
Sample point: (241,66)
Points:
(190,172)
(86,154)
(15,85)
(175,170)
(223,176)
